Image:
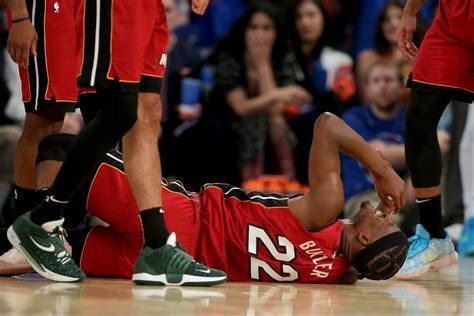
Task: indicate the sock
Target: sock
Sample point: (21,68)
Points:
(50,209)
(430,215)
(154,227)
(25,200)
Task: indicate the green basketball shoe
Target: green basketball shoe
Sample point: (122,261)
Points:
(43,247)
(171,265)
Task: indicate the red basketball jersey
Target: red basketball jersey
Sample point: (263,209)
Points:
(255,237)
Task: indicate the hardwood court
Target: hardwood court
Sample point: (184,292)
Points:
(445,292)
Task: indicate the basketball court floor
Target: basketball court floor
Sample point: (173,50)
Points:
(449,291)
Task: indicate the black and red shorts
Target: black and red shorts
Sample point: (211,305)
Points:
(122,40)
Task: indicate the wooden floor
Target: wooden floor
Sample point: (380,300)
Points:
(445,292)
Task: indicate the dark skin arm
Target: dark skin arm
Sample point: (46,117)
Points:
(321,206)
(407,28)
(22,36)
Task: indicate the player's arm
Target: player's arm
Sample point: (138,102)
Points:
(326,198)
(407,28)
(414,6)
(22,36)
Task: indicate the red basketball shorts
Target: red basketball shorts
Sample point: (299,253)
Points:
(445,62)
(122,40)
(49,84)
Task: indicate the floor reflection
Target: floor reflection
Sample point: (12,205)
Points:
(446,292)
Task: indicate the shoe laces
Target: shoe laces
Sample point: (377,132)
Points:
(417,244)
(181,260)
(63,257)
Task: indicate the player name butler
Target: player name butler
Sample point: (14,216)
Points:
(317,255)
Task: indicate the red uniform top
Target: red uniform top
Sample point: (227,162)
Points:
(253,237)
(256,237)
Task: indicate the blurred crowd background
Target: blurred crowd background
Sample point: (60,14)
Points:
(246,81)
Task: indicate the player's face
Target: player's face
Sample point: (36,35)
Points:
(393,16)
(261,29)
(309,22)
(383,87)
(373,222)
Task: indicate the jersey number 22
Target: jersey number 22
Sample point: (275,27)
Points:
(287,273)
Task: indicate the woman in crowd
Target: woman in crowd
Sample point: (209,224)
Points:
(254,81)
(385,44)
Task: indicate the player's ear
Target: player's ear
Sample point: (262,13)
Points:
(363,239)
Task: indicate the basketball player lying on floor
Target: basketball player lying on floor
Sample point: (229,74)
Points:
(255,236)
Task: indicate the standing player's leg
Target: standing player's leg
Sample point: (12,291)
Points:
(48,88)
(431,246)
(38,234)
(36,128)
(84,154)
(142,162)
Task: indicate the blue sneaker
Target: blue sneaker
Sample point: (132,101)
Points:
(425,253)
(466,242)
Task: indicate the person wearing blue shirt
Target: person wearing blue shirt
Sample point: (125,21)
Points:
(380,123)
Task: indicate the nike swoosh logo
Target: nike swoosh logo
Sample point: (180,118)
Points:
(47,249)
(204,271)
(52,198)
(422,201)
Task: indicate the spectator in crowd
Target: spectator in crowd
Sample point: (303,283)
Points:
(327,72)
(323,70)
(364,14)
(381,124)
(386,45)
(253,82)
(183,61)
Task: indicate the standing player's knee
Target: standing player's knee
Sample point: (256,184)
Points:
(35,133)
(149,109)
(419,124)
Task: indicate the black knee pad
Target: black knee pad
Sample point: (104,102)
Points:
(421,143)
(54,147)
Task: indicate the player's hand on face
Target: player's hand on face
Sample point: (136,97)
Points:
(405,37)
(390,187)
(21,41)
(385,209)
(199,6)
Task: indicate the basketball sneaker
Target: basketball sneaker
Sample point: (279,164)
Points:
(425,253)
(43,247)
(171,265)
(14,262)
(466,242)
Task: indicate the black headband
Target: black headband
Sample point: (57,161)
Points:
(364,256)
